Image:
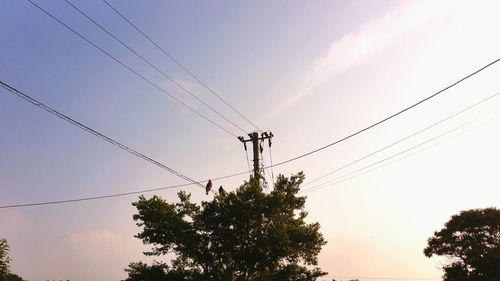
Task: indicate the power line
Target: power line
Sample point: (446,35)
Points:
(98,197)
(112,195)
(405,138)
(363,170)
(314,188)
(90,198)
(94,132)
(271,160)
(248,161)
(129,68)
(360,172)
(314,151)
(305,154)
(151,64)
(178,63)
(389,117)
(107,139)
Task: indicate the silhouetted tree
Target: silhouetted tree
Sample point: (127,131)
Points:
(5,274)
(139,271)
(471,241)
(4,259)
(14,277)
(241,235)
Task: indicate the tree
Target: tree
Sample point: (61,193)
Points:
(14,277)
(5,274)
(4,259)
(471,242)
(139,271)
(244,235)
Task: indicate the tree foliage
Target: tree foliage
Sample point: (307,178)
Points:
(4,259)
(471,241)
(5,274)
(242,235)
(14,277)
(139,271)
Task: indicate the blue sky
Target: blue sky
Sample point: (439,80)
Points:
(311,71)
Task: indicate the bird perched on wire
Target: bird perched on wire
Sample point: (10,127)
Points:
(209,186)
(222,191)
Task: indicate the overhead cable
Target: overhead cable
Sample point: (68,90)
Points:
(389,117)
(271,162)
(178,63)
(80,125)
(364,170)
(98,197)
(89,198)
(358,172)
(405,138)
(152,65)
(346,177)
(131,69)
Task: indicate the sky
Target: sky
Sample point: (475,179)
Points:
(312,72)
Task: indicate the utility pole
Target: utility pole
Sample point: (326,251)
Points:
(255,143)
(255,138)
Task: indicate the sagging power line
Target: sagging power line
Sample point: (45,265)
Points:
(245,172)
(122,194)
(131,69)
(366,169)
(390,116)
(343,178)
(74,200)
(405,138)
(180,86)
(346,177)
(96,133)
(302,155)
(173,59)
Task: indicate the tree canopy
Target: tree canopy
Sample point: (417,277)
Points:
(4,259)
(14,277)
(5,274)
(471,241)
(246,235)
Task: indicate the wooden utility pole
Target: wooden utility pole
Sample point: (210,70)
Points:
(255,138)
(255,143)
